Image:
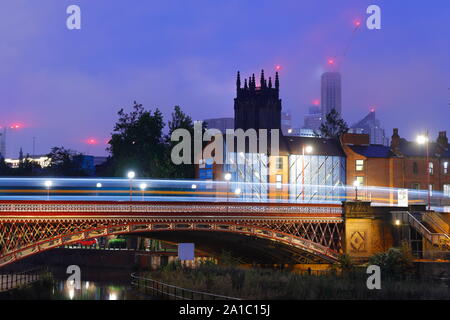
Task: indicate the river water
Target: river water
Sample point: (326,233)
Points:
(96,284)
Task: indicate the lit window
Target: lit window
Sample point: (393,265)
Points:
(359,165)
(279,180)
(360,180)
(431,189)
(430,167)
(446,167)
(447,190)
(279,163)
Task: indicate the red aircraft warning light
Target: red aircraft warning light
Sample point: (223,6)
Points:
(91,141)
(316,102)
(357,23)
(330,61)
(278,68)
(15,126)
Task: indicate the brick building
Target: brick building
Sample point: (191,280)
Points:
(400,165)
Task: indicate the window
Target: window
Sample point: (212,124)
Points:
(360,180)
(415,168)
(447,190)
(446,167)
(279,163)
(430,167)
(279,180)
(415,186)
(359,165)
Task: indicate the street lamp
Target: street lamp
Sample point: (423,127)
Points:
(99,185)
(356,185)
(131,175)
(307,149)
(48,184)
(143,186)
(424,139)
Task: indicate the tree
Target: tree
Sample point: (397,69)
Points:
(62,163)
(137,143)
(180,121)
(334,126)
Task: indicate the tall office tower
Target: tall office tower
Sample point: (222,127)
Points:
(313,118)
(257,107)
(371,125)
(331,93)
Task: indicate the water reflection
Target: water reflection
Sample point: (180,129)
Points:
(93,291)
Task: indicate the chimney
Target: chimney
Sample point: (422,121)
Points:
(395,142)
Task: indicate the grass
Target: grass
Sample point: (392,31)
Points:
(261,284)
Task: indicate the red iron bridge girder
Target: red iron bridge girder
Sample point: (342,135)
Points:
(30,227)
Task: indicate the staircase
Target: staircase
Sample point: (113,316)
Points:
(423,225)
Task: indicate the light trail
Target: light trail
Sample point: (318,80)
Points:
(118,189)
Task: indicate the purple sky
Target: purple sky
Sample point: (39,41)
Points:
(67,86)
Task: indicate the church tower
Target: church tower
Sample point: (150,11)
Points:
(257,107)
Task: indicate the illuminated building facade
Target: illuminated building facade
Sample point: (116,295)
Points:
(306,169)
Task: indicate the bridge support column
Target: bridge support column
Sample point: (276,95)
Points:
(368,230)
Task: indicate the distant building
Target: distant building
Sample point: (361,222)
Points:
(371,125)
(221,124)
(313,119)
(286,123)
(331,93)
(85,163)
(99,160)
(3,143)
(43,161)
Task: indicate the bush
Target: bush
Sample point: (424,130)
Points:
(395,263)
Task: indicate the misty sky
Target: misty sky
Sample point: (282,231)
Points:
(67,86)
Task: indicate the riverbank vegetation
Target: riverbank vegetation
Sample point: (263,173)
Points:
(344,281)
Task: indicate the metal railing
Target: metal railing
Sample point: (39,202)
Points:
(434,238)
(11,280)
(436,222)
(166,291)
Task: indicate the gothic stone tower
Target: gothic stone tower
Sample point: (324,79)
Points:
(257,107)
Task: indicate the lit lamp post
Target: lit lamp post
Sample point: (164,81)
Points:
(99,185)
(48,184)
(131,176)
(143,186)
(227,177)
(423,139)
(307,149)
(356,185)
